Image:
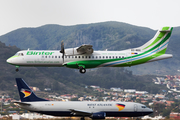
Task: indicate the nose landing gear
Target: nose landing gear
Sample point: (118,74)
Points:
(17,68)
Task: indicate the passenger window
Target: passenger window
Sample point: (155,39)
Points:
(59,56)
(89,56)
(55,56)
(75,56)
(92,56)
(116,56)
(122,56)
(109,56)
(45,56)
(79,56)
(103,57)
(52,56)
(86,56)
(42,56)
(106,56)
(113,57)
(65,56)
(49,56)
(69,56)
(96,56)
(119,56)
(72,56)
(99,56)
(82,56)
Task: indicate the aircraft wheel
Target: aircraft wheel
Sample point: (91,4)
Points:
(17,69)
(82,70)
(82,118)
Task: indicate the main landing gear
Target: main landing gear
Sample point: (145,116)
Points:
(82,70)
(82,118)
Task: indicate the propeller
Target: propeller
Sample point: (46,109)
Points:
(62,49)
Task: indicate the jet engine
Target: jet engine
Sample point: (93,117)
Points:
(98,115)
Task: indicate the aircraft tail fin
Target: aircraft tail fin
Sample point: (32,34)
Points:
(159,42)
(25,93)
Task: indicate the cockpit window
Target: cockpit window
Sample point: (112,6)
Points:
(16,54)
(19,54)
(143,106)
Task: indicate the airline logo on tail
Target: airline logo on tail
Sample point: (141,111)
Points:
(120,106)
(27,93)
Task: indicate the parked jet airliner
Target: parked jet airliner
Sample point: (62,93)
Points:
(92,109)
(85,57)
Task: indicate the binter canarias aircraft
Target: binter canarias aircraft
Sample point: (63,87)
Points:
(92,109)
(85,57)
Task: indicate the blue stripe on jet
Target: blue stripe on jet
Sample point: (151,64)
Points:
(108,113)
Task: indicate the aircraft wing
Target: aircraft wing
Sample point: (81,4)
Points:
(80,112)
(85,49)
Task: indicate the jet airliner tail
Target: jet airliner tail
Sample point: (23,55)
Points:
(25,93)
(159,42)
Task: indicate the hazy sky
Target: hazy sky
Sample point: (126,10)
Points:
(153,14)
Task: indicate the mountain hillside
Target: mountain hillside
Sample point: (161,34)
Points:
(107,35)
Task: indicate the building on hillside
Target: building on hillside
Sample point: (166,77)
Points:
(160,96)
(168,103)
(130,90)
(95,87)
(174,115)
(116,89)
(141,92)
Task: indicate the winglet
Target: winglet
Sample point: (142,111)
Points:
(25,93)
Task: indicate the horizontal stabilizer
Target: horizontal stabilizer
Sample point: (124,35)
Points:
(22,103)
(165,31)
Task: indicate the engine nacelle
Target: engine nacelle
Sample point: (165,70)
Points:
(98,115)
(71,51)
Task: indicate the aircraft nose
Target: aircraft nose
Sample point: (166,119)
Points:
(150,110)
(8,60)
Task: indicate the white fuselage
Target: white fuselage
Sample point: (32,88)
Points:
(65,108)
(54,57)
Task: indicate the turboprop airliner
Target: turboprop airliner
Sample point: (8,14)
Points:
(85,57)
(92,109)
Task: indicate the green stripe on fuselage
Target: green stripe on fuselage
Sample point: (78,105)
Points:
(143,60)
(96,63)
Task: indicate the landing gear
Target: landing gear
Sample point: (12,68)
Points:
(82,70)
(17,69)
(82,118)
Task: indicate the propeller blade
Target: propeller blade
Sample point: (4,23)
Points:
(62,49)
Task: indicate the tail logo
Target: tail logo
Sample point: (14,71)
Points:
(26,92)
(120,106)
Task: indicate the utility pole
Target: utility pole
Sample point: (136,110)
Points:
(2,103)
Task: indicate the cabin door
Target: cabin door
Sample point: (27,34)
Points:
(135,108)
(128,58)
